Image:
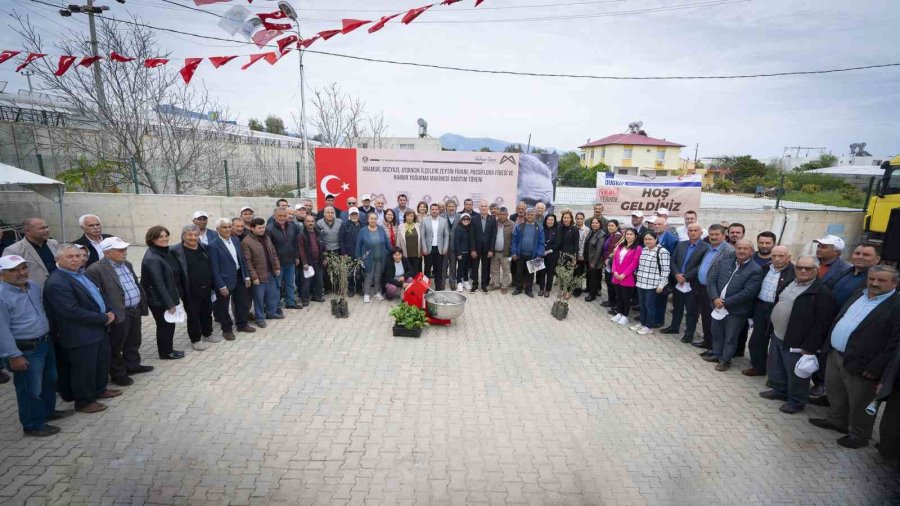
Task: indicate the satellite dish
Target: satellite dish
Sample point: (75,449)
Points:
(423,128)
(288,10)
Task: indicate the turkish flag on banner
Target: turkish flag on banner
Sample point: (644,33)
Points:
(30,58)
(336,174)
(87,61)
(218,61)
(64,63)
(190,66)
(327,34)
(152,63)
(114,56)
(5,55)
(414,13)
(207,2)
(263,37)
(381,22)
(352,24)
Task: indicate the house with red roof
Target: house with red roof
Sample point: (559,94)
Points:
(633,154)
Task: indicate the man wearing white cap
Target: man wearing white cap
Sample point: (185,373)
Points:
(828,251)
(300,212)
(637,222)
(201,219)
(366,205)
(247,215)
(25,348)
(126,299)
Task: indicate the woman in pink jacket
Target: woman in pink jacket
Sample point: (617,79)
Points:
(624,263)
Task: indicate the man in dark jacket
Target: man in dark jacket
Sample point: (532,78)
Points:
(888,393)
(92,237)
(283,233)
(311,249)
(685,266)
(484,234)
(231,280)
(798,324)
(349,233)
(862,342)
(845,284)
(80,318)
(128,302)
(264,267)
(776,275)
(732,288)
(197,287)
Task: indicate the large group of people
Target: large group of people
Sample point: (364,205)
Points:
(70,313)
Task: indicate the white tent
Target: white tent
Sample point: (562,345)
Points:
(46,187)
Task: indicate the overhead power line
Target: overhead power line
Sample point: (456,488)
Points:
(524,74)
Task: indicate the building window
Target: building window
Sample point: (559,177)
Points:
(602,153)
(628,150)
(582,156)
(407,146)
(623,172)
(660,155)
(592,155)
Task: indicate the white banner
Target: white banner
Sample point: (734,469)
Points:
(621,195)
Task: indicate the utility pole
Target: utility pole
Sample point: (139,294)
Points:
(28,74)
(90,10)
(696,150)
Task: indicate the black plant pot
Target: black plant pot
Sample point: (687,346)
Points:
(343,310)
(404,332)
(560,310)
(335,308)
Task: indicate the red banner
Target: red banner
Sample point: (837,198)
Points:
(336,174)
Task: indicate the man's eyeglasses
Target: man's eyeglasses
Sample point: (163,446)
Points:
(799,268)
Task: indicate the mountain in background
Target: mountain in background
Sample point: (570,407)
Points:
(462,143)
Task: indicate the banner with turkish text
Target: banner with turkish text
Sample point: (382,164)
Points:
(621,195)
(423,176)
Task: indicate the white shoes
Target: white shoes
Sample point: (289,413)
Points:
(200,346)
(214,339)
(460,287)
(636,327)
(623,320)
(615,318)
(366,299)
(378,296)
(643,331)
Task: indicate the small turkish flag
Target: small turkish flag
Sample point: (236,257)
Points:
(5,55)
(336,173)
(218,61)
(263,37)
(269,57)
(114,56)
(207,2)
(152,63)
(266,16)
(190,66)
(327,34)
(285,42)
(87,61)
(381,22)
(30,58)
(478,2)
(64,63)
(414,13)
(352,24)
(308,42)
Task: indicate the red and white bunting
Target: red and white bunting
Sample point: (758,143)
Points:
(190,66)
(65,62)
(28,59)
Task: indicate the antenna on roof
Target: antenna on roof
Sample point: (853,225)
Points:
(423,128)
(635,127)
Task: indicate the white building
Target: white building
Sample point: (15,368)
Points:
(414,143)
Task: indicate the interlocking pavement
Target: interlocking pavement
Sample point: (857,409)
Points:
(507,405)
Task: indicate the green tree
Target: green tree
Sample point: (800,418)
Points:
(513,148)
(485,149)
(743,167)
(255,125)
(275,125)
(826,160)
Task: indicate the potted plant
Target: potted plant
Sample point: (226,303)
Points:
(568,281)
(340,268)
(408,320)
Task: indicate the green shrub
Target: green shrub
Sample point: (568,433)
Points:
(724,185)
(810,188)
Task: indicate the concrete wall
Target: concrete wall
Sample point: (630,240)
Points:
(126,215)
(129,216)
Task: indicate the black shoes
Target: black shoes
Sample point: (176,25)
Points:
(228,335)
(48,430)
(4,378)
(473,289)
(606,303)
(669,330)
(824,423)
(484,289)
(853,442)
(246,328)
(141,369)
(293,306)
(686,339)
(791,409)
(530,294)
(175,355)
(275,317)
(124,381)
(517,291)
(772,395)
(59,414)
(318,299)
(591,298)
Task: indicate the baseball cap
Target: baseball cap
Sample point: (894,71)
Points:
(353,210)
(639,214)
(11,262)
(650,219)
(299,206)
(113,243)
(832,240)
(245,208)
(465,215)
(366,197)
(662,211)
(200,214)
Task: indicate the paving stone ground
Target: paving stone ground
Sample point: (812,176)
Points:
(506,406)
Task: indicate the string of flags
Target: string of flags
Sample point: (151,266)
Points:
(262,29)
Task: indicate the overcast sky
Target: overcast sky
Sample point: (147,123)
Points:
(752,116)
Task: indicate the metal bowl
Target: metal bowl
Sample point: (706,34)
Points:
(445,304)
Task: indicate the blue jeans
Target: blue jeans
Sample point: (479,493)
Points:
(288,283)
(661,300)
(649,304)
(36,386)
(781,374)
(312,286)
(265,298)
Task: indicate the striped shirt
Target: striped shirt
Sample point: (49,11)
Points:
(132,292)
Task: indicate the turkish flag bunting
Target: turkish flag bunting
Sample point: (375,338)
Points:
(285,42)
(352,24)
(114,56)
(190,66)
(87,61)
(269,57)
(152,63)
(64,63)
(414,13)
(207,2)
(263,37)
(5,55)
(478,2)
(381,22)
(450,2)
(218,61)
(266,16)
(327,34)
(308,42)
(30,58)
